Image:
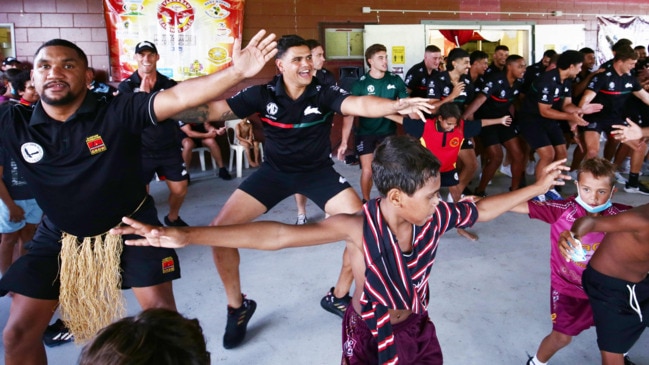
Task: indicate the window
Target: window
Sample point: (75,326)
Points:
(343,41)
(7,41)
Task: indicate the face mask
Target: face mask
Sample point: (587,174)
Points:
(589,208)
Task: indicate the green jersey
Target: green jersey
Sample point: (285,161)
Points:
(390,86)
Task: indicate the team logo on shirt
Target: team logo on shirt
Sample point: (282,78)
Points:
(32,152)
(390,86)
(628,85)
(311,110)
(370,89)
(271,108)
(455,141)
(95,144)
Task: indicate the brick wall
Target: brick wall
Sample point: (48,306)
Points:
(82,21)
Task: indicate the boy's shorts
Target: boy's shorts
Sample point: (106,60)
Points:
(449,178)
(496,134)
(270,186)
(36,274)
(601,126)
(33,215)
(415,338)
(570,315)
(618,325)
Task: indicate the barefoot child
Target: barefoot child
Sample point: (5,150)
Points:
(393,240)
(246,138)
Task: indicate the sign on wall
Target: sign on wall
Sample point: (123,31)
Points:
(193,38)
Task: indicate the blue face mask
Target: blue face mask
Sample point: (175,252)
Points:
(589,208)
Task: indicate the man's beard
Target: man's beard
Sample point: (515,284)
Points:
(67,99)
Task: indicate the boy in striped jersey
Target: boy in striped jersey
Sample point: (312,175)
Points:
(393,240)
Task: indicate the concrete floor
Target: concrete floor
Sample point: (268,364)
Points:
(489,302)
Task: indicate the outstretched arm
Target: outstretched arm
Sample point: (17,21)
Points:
(262,235)
(199,91)
(374,106)
(495,205)
(633,220)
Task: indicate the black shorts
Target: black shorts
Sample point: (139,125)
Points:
(601,126)
(467,144)
(270,186)
(618,325)
(449,178)
(366,145)
(168,167)
(36,274)
(539,132)
(496,134)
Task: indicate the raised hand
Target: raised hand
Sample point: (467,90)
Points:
(625,133)
(250,60)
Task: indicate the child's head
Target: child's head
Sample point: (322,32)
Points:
(24,87)
(155,336)
(595,184)
(401,162)
(448,116)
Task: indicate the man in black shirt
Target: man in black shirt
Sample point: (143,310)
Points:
(81,158)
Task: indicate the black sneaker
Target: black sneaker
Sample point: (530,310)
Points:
(628,361)
(177,223)
(224,174)
(235,329)
(334,305)
(57,334)
(640,189)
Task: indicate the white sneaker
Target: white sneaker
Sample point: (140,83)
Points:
(531,168)
(620,179)
(301,219)
(506,170)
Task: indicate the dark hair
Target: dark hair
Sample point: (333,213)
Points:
(153,337)
(312,43)
(478,55)
(514,58)
(625,53)
(288,41)
(638,47)
(449,110)
(372,50)
(454,54)
(622,42)
(599,167)
(501,47)
(587,50)
(19,80)
(569,58)
(549,53)
(401,162)
(64,43)
(433,49)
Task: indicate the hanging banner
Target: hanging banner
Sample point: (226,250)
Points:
(193,37)
(611,29)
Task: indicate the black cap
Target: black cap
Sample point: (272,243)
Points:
(145,46)
(10,60)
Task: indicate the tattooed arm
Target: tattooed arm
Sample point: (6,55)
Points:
(217,110)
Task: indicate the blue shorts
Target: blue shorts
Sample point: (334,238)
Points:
(270,186)
(33,215)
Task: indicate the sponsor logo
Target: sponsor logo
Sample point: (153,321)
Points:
(32,152)
(611,86)
(271,108)
(370,89)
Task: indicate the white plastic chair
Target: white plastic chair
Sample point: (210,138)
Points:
(235,147)
(201,156)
